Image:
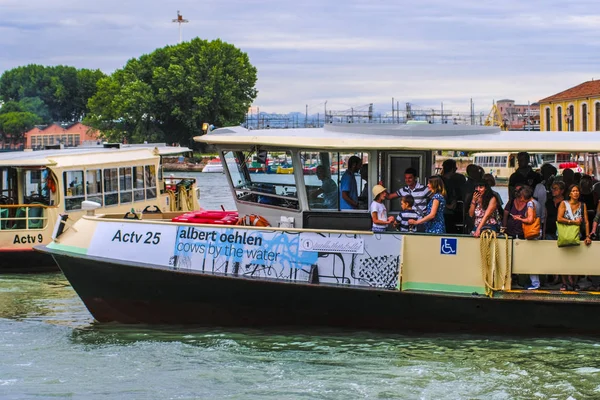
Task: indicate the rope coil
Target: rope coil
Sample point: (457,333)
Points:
(493,278)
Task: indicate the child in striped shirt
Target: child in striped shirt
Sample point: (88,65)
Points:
(407,213)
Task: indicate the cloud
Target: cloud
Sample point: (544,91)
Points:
(350,53)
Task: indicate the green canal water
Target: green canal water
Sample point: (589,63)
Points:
(50,348)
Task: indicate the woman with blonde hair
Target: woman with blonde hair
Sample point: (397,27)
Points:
(434,213)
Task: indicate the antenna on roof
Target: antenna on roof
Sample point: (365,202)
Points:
(180,21)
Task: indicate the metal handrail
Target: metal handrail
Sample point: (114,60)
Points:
(41,220)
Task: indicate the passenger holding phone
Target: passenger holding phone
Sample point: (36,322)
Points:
(517,207)
(483,209)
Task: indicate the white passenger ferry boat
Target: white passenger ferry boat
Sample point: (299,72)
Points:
(37,186)
(319,265)
(503,164)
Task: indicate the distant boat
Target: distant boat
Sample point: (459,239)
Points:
(213,165)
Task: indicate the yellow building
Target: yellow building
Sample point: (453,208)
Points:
(574,109)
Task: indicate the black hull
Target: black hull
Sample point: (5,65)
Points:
(151,295)
(25,262)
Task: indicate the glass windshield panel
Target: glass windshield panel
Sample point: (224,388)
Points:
(264,177)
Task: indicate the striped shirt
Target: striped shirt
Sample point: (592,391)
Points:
(421,195)
(403,218)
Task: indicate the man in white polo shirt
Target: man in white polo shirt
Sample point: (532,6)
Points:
(418,191)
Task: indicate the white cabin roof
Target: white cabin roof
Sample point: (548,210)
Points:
(408,137)
(78,156)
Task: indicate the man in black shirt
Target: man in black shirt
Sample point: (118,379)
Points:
(524,175)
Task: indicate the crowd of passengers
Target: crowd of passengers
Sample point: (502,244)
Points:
(457,204)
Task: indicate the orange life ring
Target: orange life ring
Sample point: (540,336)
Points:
(51,185)
(252,220)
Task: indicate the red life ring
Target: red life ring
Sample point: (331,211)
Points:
(51,184)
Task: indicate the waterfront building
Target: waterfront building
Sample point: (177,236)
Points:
(574,109)
(519,116)
(72,136)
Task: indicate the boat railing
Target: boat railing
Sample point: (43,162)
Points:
(182,191)
(23,216)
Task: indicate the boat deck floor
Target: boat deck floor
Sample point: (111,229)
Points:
(552,292)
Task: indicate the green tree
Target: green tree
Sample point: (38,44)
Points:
(14,124)
(62,89)
(36,106)
(168,94)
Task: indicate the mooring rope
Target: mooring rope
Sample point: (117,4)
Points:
(490,268)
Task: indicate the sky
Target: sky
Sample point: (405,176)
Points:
(346,53)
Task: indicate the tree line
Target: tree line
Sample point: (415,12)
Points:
(164,96)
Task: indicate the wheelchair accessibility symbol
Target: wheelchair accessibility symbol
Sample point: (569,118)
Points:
(448,246)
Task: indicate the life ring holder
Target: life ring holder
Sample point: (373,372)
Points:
(253,220)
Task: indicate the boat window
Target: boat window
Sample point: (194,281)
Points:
(264,177)
(320,172)
(111,187)
(35,188)
(323,173)
(8,186)
(74,194)
(150,178)
(125,185)
(138,184)
(93,185)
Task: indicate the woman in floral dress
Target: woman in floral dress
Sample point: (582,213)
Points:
(434,213)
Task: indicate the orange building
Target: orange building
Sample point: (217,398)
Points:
(519,116)
(75,135)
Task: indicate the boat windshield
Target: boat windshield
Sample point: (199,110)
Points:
(264,177)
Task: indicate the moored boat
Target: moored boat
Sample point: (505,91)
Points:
(213,165)
(37,186)
(320,265)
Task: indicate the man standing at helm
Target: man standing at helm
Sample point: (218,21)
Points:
(348,186)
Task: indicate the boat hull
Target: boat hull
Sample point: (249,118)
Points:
(25,261)
(135,293)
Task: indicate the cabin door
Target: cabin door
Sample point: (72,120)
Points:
(393,165)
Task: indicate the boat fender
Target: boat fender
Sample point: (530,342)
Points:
(51,184)
(253,220)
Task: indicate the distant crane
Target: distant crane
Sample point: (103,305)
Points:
(180,21)
(494,118)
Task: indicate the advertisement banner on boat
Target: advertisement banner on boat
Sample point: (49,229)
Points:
(337,258)
(145,243)
(197,245)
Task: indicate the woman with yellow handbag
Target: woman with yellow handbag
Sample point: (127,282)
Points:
(572,214)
